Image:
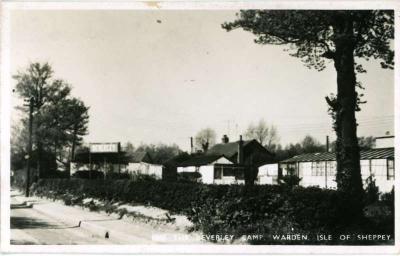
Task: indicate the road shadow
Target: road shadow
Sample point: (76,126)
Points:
(30,223)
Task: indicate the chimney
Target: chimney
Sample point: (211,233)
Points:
(240,151)
(191,145)
(225,139)
(327,143)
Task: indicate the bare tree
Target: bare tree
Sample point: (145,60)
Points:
(265,134)
(205,138)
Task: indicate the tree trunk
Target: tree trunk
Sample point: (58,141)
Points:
(39,160)
(72,149)
(348,175)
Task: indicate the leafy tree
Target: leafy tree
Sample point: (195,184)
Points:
(341,36)
(159,153)
(310,145)
(129,149)
(205,138)
(60,120)
(307,145)
(266,135)
(364,143)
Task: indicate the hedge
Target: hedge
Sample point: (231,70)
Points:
(230,209)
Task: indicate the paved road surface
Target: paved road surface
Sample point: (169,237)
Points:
(29,226)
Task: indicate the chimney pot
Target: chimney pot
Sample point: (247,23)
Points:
(225,139)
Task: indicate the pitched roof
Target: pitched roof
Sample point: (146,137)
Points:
(200,160)
(227,149)
(375,153)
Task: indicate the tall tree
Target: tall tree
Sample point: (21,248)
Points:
(265,134)
(60,120)
(205,138)
(316,36)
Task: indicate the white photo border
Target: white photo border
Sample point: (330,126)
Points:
(5,112)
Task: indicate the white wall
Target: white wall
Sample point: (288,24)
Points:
(207,174)
(378,169)
(384,142)
(379,172)
(268,174)
(222,160)
(145,168)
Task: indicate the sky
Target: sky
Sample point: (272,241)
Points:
(161,76)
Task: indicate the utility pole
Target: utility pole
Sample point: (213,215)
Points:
(28,168)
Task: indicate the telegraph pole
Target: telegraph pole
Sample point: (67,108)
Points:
(28,168)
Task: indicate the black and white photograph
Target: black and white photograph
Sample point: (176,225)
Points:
(211,127)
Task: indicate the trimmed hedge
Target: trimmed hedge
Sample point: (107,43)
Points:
(231,209)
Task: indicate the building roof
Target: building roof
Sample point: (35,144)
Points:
(201,160)
(385,137)
(227,149)
(376,153)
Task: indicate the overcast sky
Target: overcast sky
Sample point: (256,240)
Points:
(161,76)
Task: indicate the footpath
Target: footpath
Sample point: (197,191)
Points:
(111,226)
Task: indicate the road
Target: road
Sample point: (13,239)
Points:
(29,226)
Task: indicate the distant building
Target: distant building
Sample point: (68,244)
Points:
(227,162)
(319,169)
(214,169)
(141,163)
(384,142)
(253,153)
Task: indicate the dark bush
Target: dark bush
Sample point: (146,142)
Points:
(116,175)
(290,180)
(371,191)
(88,174)
(231,209)
(188,177)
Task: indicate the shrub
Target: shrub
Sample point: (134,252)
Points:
(189,177)
(231,209)
(290,180)
(88,174)
(115,175)
(371,191)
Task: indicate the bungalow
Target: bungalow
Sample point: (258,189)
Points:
(319,169)
(227,162)
(252,153)
(141,163)
(214,169)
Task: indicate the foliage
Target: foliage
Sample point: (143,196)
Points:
(266,135)
(189,177)
(290,180)
(371,191)
(205,138)
(88,174)
(308,145)
(159,153)
(364,143)
(313,35)
(59,120)
(388,200)
(229,209)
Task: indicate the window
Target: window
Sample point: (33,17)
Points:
(390,169)
(228,171)
(331,168)
(318,168)
(217,172)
